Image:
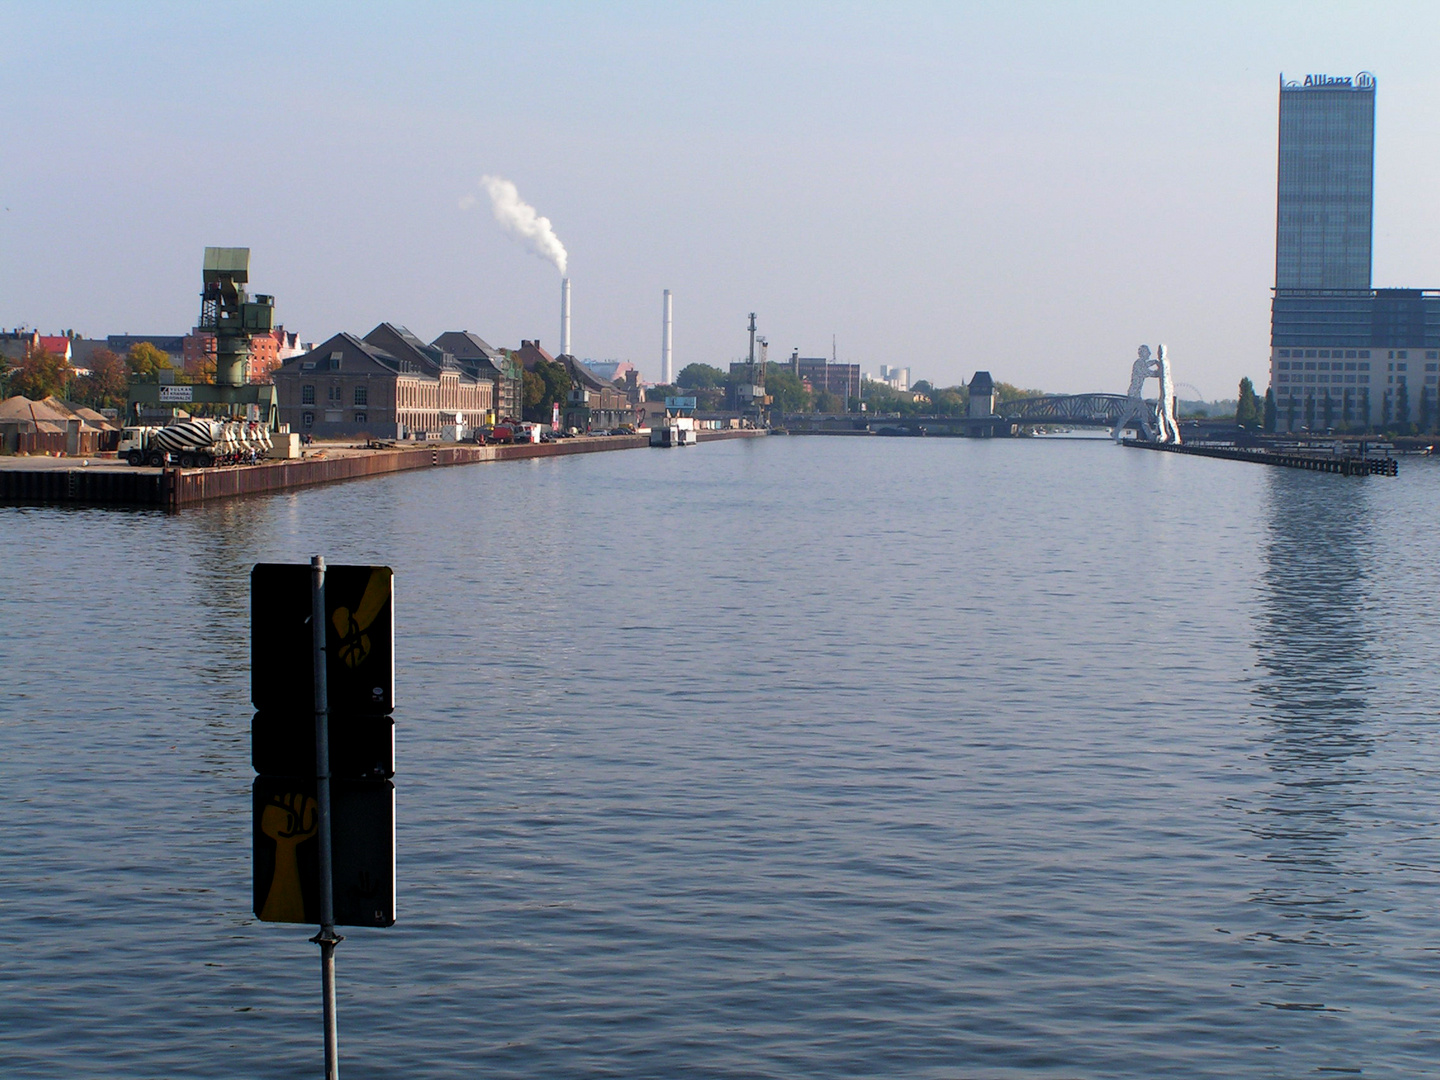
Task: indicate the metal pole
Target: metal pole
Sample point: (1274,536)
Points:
(327,939)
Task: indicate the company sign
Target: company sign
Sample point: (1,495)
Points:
(177,393)
(1363,81)
(679,403)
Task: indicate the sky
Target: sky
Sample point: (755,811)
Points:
(1029,188)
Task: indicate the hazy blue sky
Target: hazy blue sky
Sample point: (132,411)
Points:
(1029,188)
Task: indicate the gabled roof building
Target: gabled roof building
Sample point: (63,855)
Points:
(388,385)
(484,362)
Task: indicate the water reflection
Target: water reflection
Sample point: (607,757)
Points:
(1312,690)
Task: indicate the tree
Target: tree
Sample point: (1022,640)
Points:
(1248,410)
(700,377)
(1309,412)
(108,383)
(1402,404)
(534,392)
(661,392)
(41,374)
(826,402)
(1004,391)
(1290,414)
(1271,414)
(788,391)
(951,401)
(545,384)
(923,387)
(145,359)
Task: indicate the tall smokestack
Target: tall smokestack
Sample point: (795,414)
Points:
(667,375)
(565,316)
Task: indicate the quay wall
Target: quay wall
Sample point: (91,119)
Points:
(173,488)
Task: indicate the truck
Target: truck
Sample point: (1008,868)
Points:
(195,444)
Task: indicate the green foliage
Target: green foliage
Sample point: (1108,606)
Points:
(1402,404)
(1249,412)
(1006,392)
(923,387)
(700,377)
(788,391)
(951,401)
(826,402)
(1271,414)
(545,384)
(882,398)
(534,391)
(41,374)
(145,359)
(108,383)
(663,391)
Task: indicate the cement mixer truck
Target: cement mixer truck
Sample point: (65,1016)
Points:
(195,444)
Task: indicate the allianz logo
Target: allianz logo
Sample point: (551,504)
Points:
(1363,81)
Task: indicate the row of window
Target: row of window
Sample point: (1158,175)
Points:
(308,419)
(1352,354)
(333,394)
(1310,365)
(1282,377)
(1289,394)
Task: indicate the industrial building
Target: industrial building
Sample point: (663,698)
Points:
(387,385)
(1341,351)
(823,375)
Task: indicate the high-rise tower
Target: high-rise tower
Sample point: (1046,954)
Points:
(1343,354)
(1326,191)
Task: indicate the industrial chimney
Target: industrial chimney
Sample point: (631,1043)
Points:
(667,375)
(565,316)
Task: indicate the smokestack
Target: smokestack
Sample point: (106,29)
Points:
(666,374)
(565,316)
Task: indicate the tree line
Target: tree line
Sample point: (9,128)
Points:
(106,385)
(712,388)
(1326,413)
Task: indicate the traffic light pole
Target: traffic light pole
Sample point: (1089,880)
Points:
(327,939)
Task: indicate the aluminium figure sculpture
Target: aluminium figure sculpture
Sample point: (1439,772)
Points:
(1156,423)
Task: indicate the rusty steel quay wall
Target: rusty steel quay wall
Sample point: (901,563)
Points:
(172,489)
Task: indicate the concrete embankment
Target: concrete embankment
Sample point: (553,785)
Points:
(111,483)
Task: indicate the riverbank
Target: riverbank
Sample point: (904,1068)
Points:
(108,482)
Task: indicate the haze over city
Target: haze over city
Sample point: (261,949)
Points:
(1033,191)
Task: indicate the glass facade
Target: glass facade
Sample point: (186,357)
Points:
(1325,203)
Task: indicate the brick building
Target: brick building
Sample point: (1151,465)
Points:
(267,352)
(484,362)
(387,385)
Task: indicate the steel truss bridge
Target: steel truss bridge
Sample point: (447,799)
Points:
(1081,410)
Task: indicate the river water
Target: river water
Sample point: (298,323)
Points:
(776,758)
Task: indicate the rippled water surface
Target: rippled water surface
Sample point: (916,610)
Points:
(778,758)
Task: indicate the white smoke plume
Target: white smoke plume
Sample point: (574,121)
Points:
(520,220)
